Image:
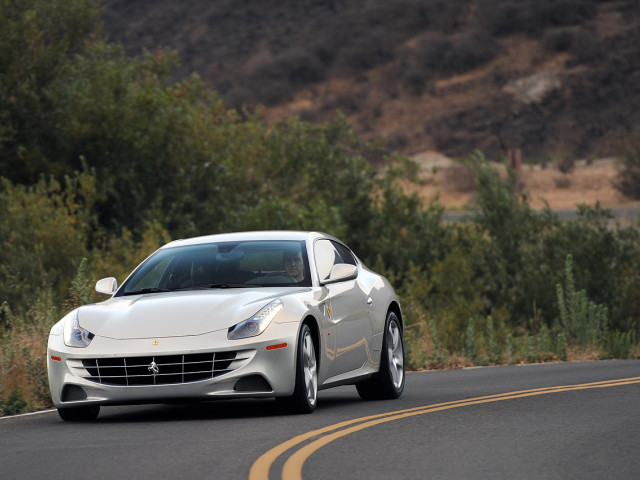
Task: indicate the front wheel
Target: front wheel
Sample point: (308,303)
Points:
(79,414)
(388,383)
(305,393)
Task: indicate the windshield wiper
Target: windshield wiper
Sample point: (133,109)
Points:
(228,285)
(147,290)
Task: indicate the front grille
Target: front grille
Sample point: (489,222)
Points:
(161,369)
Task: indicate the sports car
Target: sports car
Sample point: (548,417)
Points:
(257,314)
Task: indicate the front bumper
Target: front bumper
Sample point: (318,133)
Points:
(76,377)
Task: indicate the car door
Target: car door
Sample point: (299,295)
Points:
(347,310)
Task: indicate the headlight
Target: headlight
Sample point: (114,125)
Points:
(257,324)
(74,335)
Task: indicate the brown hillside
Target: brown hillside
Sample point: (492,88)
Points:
(552,77)
(586,182)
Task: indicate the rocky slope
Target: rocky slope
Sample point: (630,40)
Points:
(552,77)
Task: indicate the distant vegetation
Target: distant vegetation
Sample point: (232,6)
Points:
(455,36)
(103,158)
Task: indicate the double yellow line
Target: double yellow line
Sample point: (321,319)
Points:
(292,469)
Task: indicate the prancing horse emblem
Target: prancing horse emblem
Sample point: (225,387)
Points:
(154,369)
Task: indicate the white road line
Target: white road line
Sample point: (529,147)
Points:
(4,417)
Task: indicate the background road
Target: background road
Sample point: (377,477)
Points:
(588,433)
(624,214)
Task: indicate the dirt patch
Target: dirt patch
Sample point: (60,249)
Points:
(587,182)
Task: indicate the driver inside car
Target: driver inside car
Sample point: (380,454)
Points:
(293,264)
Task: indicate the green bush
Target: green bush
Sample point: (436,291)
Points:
(14,404)
(628,179)
(619,344)
(493,352)
(470,349)
(581,320)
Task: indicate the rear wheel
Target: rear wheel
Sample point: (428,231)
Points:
(388,383)
(79,414)
(305,394)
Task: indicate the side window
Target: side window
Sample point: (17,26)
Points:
(326,257)
(345,254)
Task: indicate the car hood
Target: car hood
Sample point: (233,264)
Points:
(175,314)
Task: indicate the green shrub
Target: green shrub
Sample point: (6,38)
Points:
(619,344)
(628,179)
(561,347)
(470,349)
(493,356)
(438,356)
(14,404)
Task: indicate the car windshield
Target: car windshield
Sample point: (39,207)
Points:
(240,264)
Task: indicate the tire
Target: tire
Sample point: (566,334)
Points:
(388,383)
(305,393)
(79,414)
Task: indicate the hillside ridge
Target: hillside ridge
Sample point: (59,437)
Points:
(552,78)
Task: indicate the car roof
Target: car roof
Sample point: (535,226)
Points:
(249,236)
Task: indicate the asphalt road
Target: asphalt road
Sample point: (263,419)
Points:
(522,422)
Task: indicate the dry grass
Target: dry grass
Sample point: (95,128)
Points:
(14,374)
(588,182)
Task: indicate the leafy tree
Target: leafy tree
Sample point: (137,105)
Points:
(36,47)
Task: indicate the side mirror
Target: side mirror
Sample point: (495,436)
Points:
(341,272)
(107,286)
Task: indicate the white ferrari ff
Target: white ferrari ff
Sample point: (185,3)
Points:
(259,314)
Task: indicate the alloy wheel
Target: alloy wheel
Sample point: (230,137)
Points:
(395,353)
(310,370)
